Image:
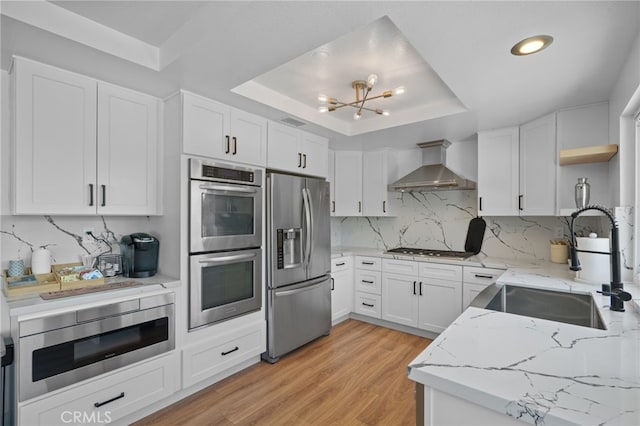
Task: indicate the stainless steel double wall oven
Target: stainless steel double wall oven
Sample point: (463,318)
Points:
(225,229)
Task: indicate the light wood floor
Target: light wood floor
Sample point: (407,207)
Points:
(355,376)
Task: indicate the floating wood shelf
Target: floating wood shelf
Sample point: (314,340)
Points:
(588,154)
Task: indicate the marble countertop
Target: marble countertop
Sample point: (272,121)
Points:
(539,371)
(22,305)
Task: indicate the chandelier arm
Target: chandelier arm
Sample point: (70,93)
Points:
(364,99)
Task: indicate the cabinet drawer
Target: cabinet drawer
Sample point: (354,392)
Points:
(405,267)
(368,304)
(441,271)
(341,263)
(477,275)
(370,263)
(213,356)
(368,281)
(117,395)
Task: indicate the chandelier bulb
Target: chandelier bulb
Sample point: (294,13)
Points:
(323,98)
(399,90)
(372,80)
(386,112)
(323,109)
(356,115)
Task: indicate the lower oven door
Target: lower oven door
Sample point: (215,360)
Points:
(61,357)
(224,285)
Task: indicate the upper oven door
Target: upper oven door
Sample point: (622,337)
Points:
(224,216)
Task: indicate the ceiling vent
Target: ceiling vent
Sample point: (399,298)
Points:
(292,122)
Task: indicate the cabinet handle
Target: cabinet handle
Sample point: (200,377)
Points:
(480,208)
(420,288)
(104,195)
(228,352)
(366,304)
(91,194)
(228,148)
(333,284)
(333,207)
(235,145)
(367,263)
(115,398)
(359,206)
(304,157)
(340,264)
(414,288)
(299,159)
(520,202)
(367,282)
(484,276)
(384,207)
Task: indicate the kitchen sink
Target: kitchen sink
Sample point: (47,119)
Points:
(569,308)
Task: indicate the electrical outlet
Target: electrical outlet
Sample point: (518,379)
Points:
(88,230)
(558,232)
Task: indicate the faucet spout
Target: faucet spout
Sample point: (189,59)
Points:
(614,255)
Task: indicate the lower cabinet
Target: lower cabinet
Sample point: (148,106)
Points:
(440,304)
(367,304)
(341,288)
(107,399)
(476,279)
(210,357)
(368,286)
(400,299)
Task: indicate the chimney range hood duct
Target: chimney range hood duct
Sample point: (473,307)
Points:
(435,176)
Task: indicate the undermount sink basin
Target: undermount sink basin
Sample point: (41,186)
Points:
(569,308)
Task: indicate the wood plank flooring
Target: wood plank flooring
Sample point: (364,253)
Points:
(355,376)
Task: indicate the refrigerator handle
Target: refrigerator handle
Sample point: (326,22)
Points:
(308,225)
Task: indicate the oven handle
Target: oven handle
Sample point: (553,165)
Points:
(228,258)
(228,188)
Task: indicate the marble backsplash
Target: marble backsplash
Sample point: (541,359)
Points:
(439,220)
(64,236)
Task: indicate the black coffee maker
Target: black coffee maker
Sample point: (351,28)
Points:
(139,255)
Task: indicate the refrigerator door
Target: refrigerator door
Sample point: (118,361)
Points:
(319,259)
(297,315)
(285,235)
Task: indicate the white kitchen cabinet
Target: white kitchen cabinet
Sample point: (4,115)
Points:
(379,169)
(348,183)
(421,294)
(368,286)
(498,157)
(538,167)
(121,393)
(215,130)
(341,288)
(517,170)
(368,304)
(297,151)
(475,279)
(81,146)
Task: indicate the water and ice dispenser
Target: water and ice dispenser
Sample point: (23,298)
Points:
(289,248)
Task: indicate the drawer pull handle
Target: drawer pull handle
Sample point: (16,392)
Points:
(366,304)
(484,276)
(333,284)
(367,282)
(340,264)
(228,352)
(367,263)
(115,398)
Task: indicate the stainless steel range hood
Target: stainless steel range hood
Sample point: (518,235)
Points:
(434,175)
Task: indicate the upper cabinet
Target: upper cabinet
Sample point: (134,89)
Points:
(215,130)
(82,146)
(348,183)
(517,170)
(297,151)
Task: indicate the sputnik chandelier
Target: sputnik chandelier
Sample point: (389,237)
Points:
(362,88)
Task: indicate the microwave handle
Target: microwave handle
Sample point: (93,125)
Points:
(228,258)
(214,187)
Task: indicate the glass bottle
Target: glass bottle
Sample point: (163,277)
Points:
(583,192)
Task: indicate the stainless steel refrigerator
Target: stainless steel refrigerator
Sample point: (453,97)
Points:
(299,263)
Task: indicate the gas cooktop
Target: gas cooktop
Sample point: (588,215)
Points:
(448,254)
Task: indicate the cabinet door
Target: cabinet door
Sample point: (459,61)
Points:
(332,182)
(374,183)
(348,177)
(314,150)
(128,149)
(440,304)
(469,292)
(54,141)
(282,151)
(498,172)
(400,299)
(538,167)
(341,295)
(205,127)
(248,138)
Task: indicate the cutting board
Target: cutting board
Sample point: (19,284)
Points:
(475,235)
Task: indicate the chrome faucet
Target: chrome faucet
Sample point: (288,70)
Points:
(614,289)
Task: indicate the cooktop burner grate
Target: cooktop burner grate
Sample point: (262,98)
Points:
(431,253)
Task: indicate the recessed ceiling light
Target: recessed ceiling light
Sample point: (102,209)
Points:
(531,45)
